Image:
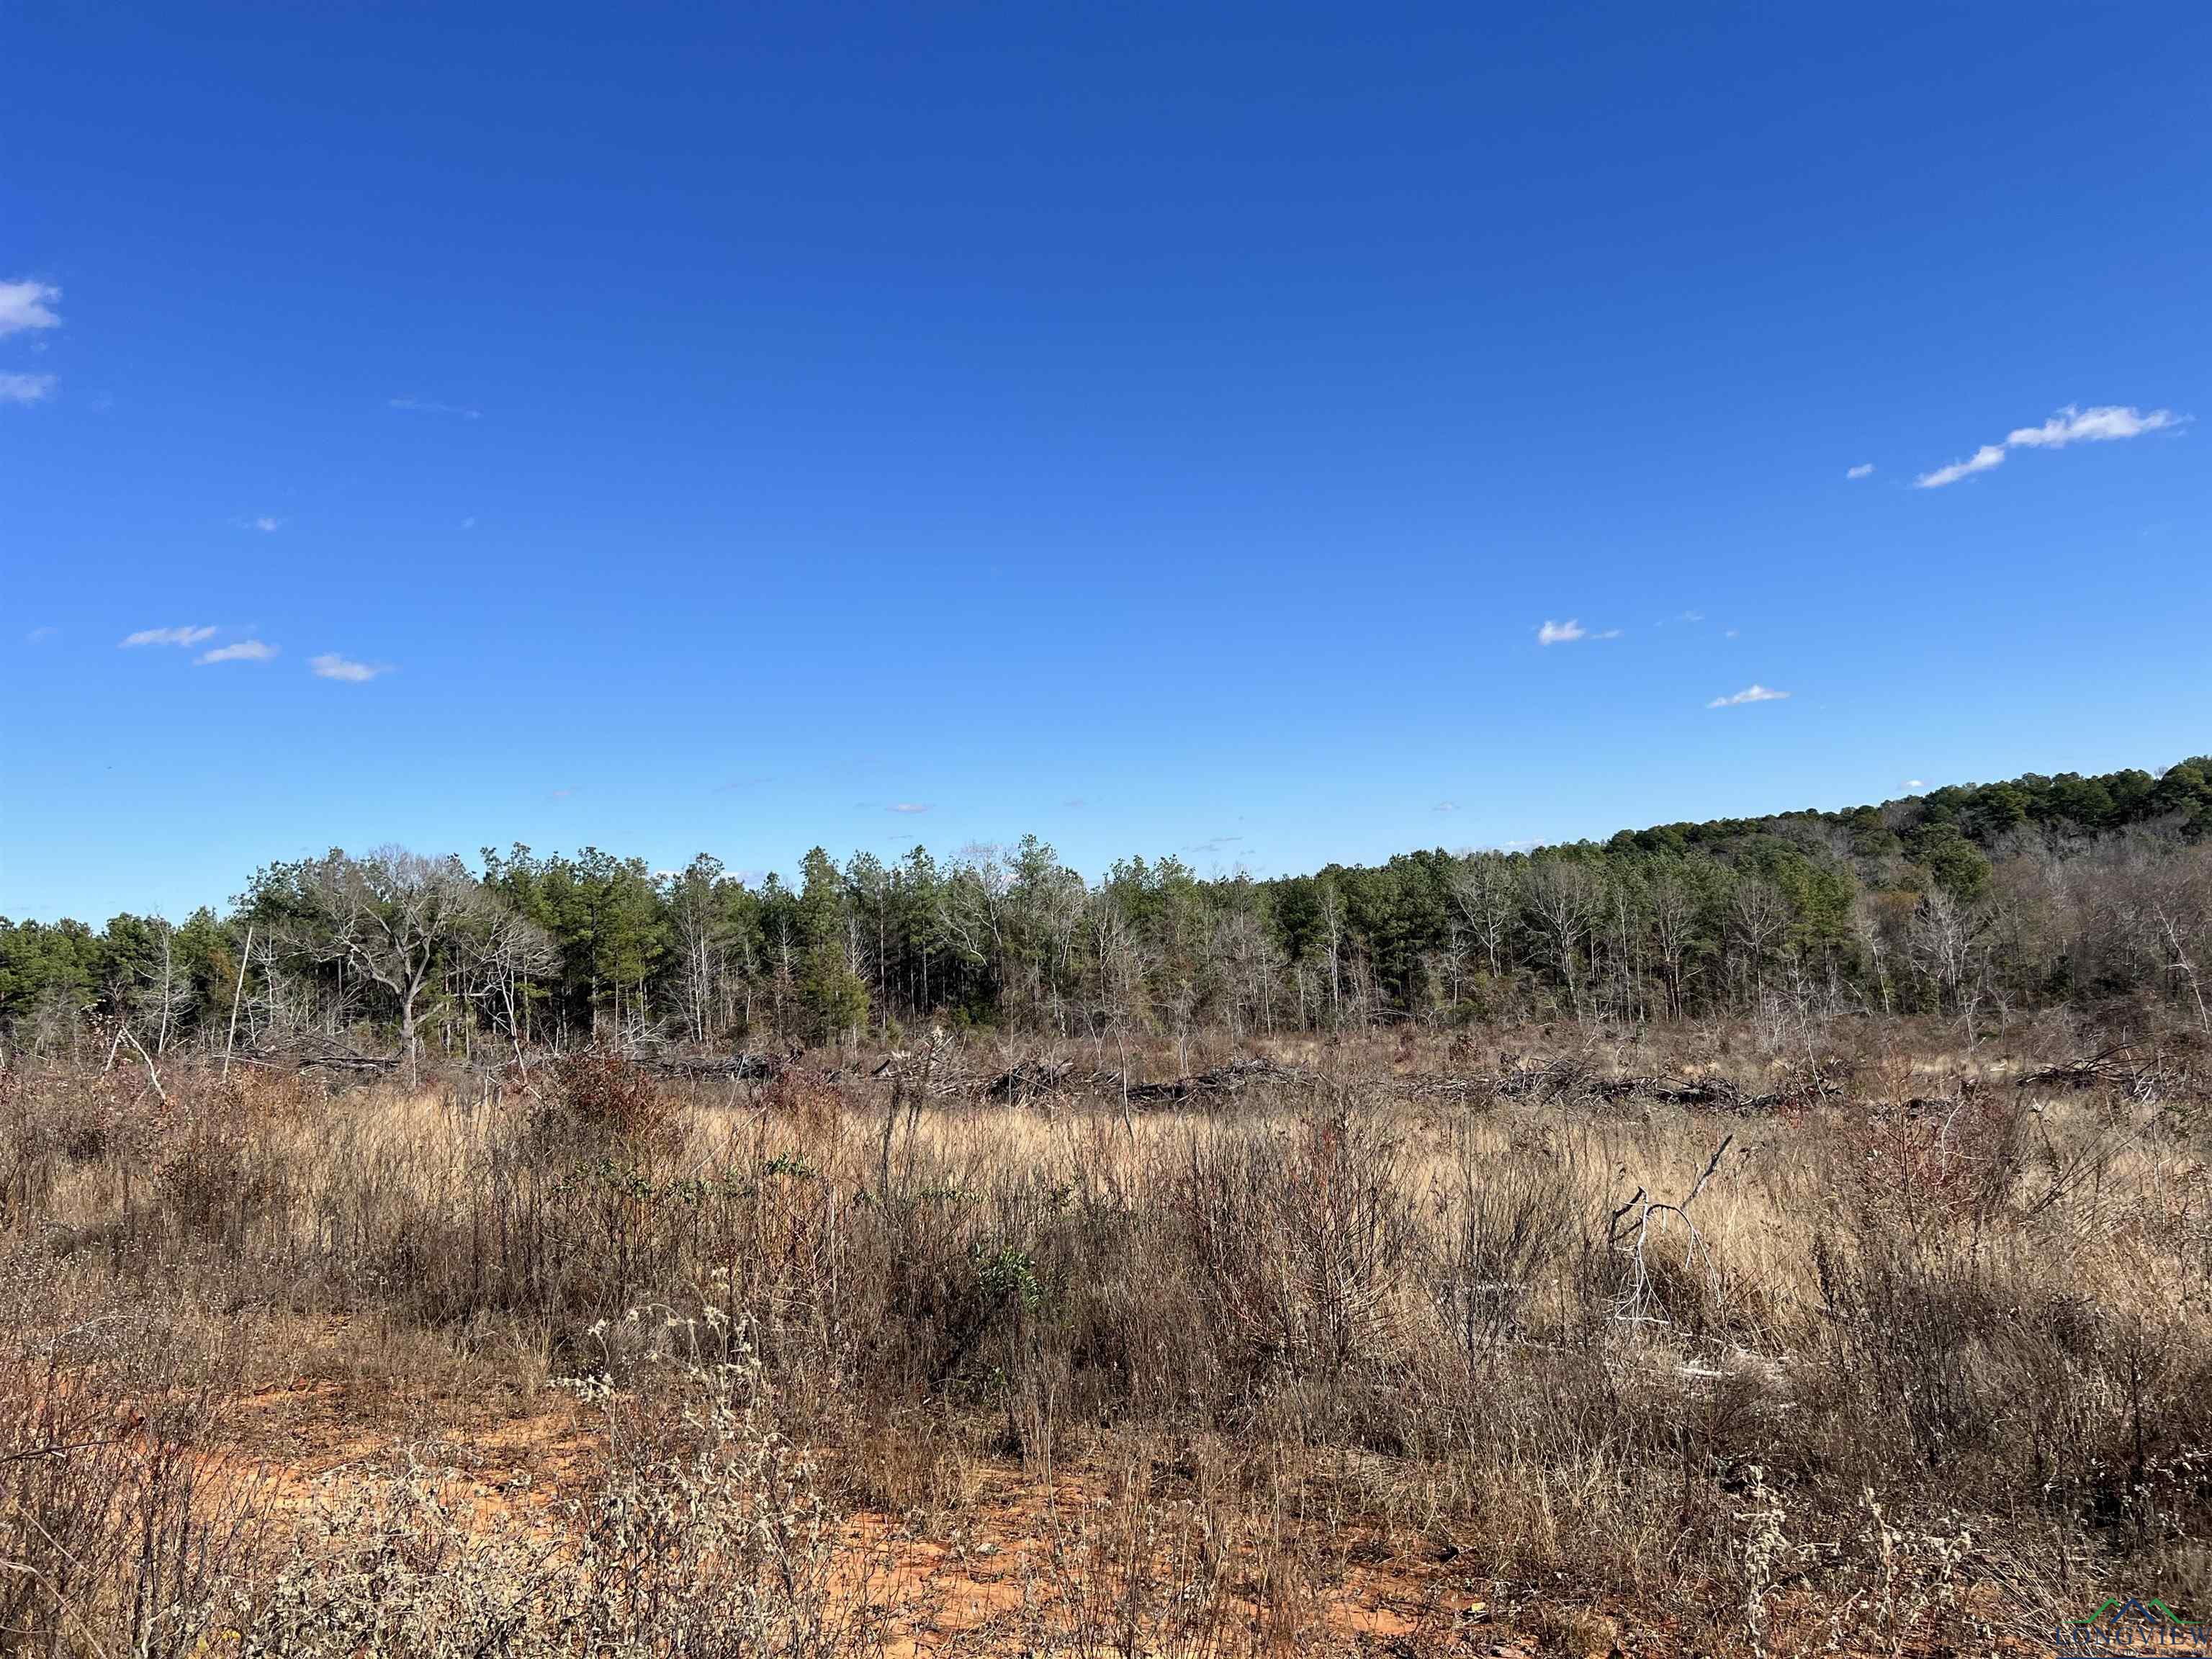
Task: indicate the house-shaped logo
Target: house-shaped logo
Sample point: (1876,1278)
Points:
(2131,1624)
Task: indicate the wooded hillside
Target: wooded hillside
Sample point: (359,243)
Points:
(1971,901)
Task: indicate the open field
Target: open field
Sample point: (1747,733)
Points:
(1411,1344)
(1245,831)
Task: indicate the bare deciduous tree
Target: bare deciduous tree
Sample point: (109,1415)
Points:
(1483,890)
(1759,920)
(501,954)
(167,992)
(2177,916)
(1563,898)
(388,916)
(1944,939)
(1674,911)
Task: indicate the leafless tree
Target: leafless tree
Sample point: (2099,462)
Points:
(1482,888)
(1561,897)
(1674,911)
(500,954)
(2176,916)
(389,916)
(166,993)
(1123,995)
(1332,930)
(1248,963)
(1759,920)
(971,912)
(703,966)
(1872,920)
(1055,904)
(1945,944)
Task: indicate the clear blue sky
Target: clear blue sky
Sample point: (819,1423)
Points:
(1165,428)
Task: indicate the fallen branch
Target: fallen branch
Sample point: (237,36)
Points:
(1636,1303)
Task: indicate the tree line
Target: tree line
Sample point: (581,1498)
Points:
(1971,903)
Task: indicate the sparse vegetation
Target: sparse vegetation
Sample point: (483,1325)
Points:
(1789,1299)
(1887,1360)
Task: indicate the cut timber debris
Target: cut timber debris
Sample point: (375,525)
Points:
(340,1062)
(737,1065)
(1229,1080)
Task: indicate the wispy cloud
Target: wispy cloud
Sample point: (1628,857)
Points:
(1753,693)
(332,666)
(1566,633)
(910,807)
(1864,469)
(2070,425)
(432,406)
(268,524)
(1075,801)
(563,794)
(187,635)
(40,635)
(242,651)
(28,305)
(2100,425)
(1445,806)
(15,388)
(1988,456)
(25,306)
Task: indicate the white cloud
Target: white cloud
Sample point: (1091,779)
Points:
(910,807)
(243,651)
(432,406)
(1916,783)
(1981,460)
(1566,633)
(1753,693)
(40,635)
(28,305)
(268,525)
(1445,806)
(16,388)
(2094,426)
(166,637)
(332,666)
(1863,471)
(2069,425)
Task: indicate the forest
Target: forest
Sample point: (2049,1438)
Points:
(1971,903)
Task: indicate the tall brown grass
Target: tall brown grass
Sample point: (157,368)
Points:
(1921,1357)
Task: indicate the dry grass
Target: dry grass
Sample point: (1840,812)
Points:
(1334,1363)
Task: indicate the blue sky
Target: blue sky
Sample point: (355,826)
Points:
(1163,428)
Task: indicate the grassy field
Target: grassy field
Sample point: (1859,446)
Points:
(1417,1345)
